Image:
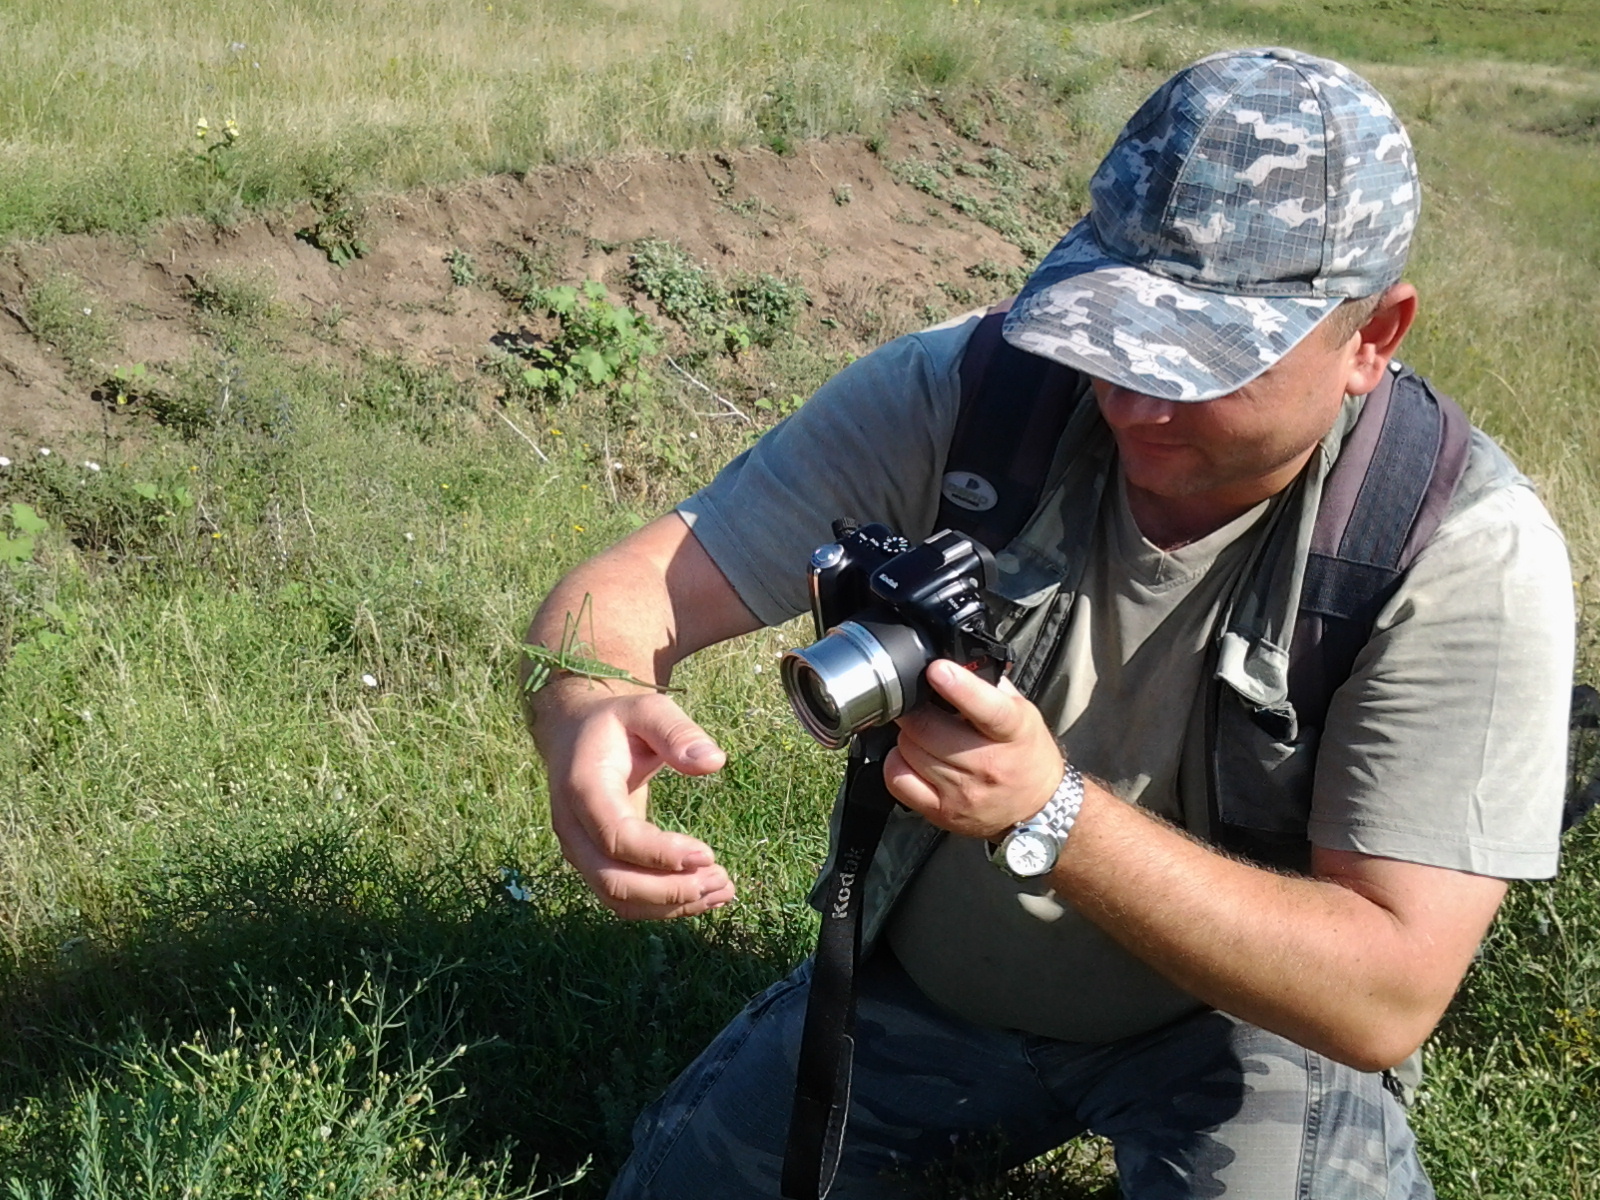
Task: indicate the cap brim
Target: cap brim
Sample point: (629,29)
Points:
(1141,331)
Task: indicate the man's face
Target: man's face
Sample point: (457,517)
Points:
(1238,449)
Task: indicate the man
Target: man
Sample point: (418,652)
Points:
(1233,295)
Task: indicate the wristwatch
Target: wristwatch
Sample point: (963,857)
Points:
(1031,848)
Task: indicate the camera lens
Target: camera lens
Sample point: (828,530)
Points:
(848,680)
(816,696)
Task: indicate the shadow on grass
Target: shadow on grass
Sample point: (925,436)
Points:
(571,1020)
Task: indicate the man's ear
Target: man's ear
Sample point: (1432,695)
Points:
(1380,338)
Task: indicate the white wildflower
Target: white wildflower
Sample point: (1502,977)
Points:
(369,680)
(512,879)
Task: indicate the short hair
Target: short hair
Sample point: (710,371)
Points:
(1340,325)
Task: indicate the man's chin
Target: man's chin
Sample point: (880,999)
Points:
(1170,473)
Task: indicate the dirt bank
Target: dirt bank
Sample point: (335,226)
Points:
(875,253)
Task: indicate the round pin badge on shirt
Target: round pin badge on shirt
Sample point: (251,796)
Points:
(966,490)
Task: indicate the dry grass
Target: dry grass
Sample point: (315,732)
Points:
(97,116)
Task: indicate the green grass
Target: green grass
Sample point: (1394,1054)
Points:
(257,705)
(277,857)
(62,314)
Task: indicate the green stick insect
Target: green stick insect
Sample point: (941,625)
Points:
(544,664)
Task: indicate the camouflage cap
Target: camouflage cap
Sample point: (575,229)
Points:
(1248,197)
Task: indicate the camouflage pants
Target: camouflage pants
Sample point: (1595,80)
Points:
(1207,1106)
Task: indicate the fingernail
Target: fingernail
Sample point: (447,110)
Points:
(699,752)
(698,859)
(719,904)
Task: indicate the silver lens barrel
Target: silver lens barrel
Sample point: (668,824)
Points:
(841,684)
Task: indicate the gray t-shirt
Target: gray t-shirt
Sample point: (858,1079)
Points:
(1010,953)
(1447,747)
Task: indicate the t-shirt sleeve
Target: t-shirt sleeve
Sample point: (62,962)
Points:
(1447,746)
(869,445)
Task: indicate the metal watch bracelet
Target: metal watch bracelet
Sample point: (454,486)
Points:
(1060,812)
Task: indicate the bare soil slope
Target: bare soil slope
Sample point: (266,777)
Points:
(871,250)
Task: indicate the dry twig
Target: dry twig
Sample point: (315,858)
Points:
(523,436)
(733,409)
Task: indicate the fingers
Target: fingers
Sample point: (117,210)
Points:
(909,787)
(612,758)
(638,893)
(977,771)
(678,741)
(619,863)
(600,767)
(969,803)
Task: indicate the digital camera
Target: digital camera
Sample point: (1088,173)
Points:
(884,610)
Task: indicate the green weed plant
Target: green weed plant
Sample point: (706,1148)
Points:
(300,1095)
(600,346)
(463,268)
(26,526)
(685,291)
(340,228)
(730,315)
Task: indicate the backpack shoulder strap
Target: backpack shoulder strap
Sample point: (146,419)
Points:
(1013,411)
(1383,500)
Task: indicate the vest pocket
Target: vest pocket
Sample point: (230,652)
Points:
(1263,770)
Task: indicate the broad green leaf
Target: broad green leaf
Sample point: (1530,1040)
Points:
(592,363)
(560,300)
(24,520)
(16,549)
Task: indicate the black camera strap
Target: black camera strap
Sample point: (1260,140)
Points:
(822,1083)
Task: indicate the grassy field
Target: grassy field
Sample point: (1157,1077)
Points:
(280,911)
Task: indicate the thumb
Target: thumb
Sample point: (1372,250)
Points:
(677,741)
(989,709)
(698,755)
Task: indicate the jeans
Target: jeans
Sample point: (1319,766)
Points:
(1206,1106)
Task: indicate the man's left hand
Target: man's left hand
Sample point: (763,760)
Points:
(977,771)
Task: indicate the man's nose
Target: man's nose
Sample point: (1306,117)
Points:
(1123,407)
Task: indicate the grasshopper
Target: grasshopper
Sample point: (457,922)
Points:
(544,664)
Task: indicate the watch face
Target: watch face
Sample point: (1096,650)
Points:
(1029,853)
